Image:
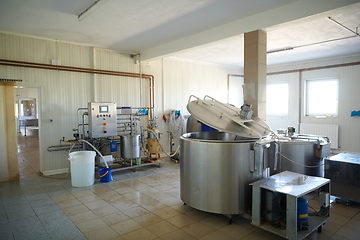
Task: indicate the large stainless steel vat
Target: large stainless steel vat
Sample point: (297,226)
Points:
(130,146)
(343,170)
(215,172)
(303,154)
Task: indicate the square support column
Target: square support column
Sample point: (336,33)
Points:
(255,72)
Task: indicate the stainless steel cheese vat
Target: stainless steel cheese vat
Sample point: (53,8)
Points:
(303,154)
(215,172)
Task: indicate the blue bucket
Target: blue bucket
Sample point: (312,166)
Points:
(105,174)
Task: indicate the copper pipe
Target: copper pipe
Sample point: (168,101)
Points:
(83,70)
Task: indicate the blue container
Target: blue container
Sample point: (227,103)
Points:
(206,128)
(302,211)
(113,146)
(105,174)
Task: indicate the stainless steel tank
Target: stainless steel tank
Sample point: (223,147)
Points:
(215,172)
(303,154)
(130,146)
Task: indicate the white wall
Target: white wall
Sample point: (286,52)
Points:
(349,98)
(62,93)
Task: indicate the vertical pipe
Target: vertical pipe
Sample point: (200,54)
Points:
(300,99)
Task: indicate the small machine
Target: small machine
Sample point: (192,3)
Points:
(116,133)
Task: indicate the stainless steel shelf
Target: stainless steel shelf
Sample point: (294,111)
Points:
(293,185)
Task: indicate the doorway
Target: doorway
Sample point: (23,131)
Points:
(27,115)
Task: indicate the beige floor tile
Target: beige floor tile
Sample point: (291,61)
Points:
(235,231)
(141,234)
(96,204)
(331,227)
(118,238)
(115,218)
(105,233)
(339,219)
(82,193)
(108,195)
(115,185)
(69,203)
(133,195)
(105,211)
(181,220)
(99,188)
(178,235)
(197,214)
(161,228)
(62,198)
(260,236)
(348,233)
(166,212)
(124,190)
(82,217)
(171,201)
(135,212)
(354,223)
(324,235)
(149,190)
(89,198)
(181,207)
(336,237)
(115,199)
(126,226)
(216,221)
(140,186)
(216,236)
(147,219)
(70,211)
(159,195)
(92,225)
(124,205)
(343,211)
(198,229)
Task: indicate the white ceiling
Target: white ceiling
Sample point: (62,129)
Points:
(198,30)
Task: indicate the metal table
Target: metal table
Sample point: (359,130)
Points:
(293,185)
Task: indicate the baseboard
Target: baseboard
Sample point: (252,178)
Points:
(54,172)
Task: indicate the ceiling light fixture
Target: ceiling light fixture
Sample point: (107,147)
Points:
(90,9)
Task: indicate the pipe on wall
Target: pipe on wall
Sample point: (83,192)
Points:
(84,70)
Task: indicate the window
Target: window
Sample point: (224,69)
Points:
(322,97)
(277,99)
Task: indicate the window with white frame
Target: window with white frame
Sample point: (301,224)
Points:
(277,99)
(321,97)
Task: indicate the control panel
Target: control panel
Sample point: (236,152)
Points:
(102,119)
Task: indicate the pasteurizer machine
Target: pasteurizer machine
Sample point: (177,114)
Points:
(217,167)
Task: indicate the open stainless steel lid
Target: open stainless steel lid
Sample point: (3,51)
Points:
(226,118)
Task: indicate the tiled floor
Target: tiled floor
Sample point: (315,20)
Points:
(135,205)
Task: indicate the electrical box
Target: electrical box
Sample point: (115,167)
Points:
(324,199)
(102,120)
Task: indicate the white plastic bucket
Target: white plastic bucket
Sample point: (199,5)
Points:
(82,164)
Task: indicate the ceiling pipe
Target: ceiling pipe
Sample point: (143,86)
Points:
(90,9)
(330,18)
(84,70)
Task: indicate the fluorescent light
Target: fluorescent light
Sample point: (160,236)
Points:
(91,9)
